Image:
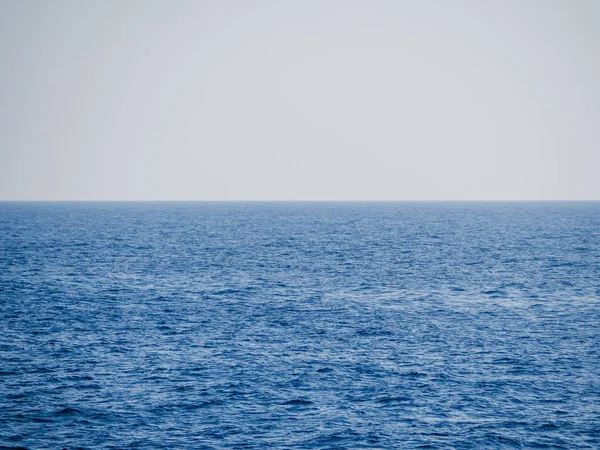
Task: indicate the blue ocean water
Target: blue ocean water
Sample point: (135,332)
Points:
(300,325)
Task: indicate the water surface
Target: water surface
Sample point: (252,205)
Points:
(300,325)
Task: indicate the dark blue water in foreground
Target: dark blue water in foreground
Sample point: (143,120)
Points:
(317,325)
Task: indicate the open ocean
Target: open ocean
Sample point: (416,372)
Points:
(300,325)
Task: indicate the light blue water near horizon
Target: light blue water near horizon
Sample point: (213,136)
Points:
(300,325)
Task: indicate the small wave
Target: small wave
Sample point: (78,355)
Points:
(495,293)
(398,399)
(297,402)
(233,291)
(68,411)
(41,420)
(457,289)
(414,374)
(16,396)
(502,440)
(202,405)
(549,426)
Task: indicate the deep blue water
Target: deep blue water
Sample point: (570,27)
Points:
(308,325)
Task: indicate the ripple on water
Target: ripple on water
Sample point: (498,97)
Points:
(399,325)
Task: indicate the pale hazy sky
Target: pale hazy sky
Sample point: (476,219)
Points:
(299,100)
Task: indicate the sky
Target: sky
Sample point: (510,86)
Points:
(299,100)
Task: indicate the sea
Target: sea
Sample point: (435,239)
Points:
(309,325)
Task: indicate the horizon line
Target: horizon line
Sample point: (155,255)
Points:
(304,201)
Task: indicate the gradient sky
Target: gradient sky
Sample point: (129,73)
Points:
(299,100)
